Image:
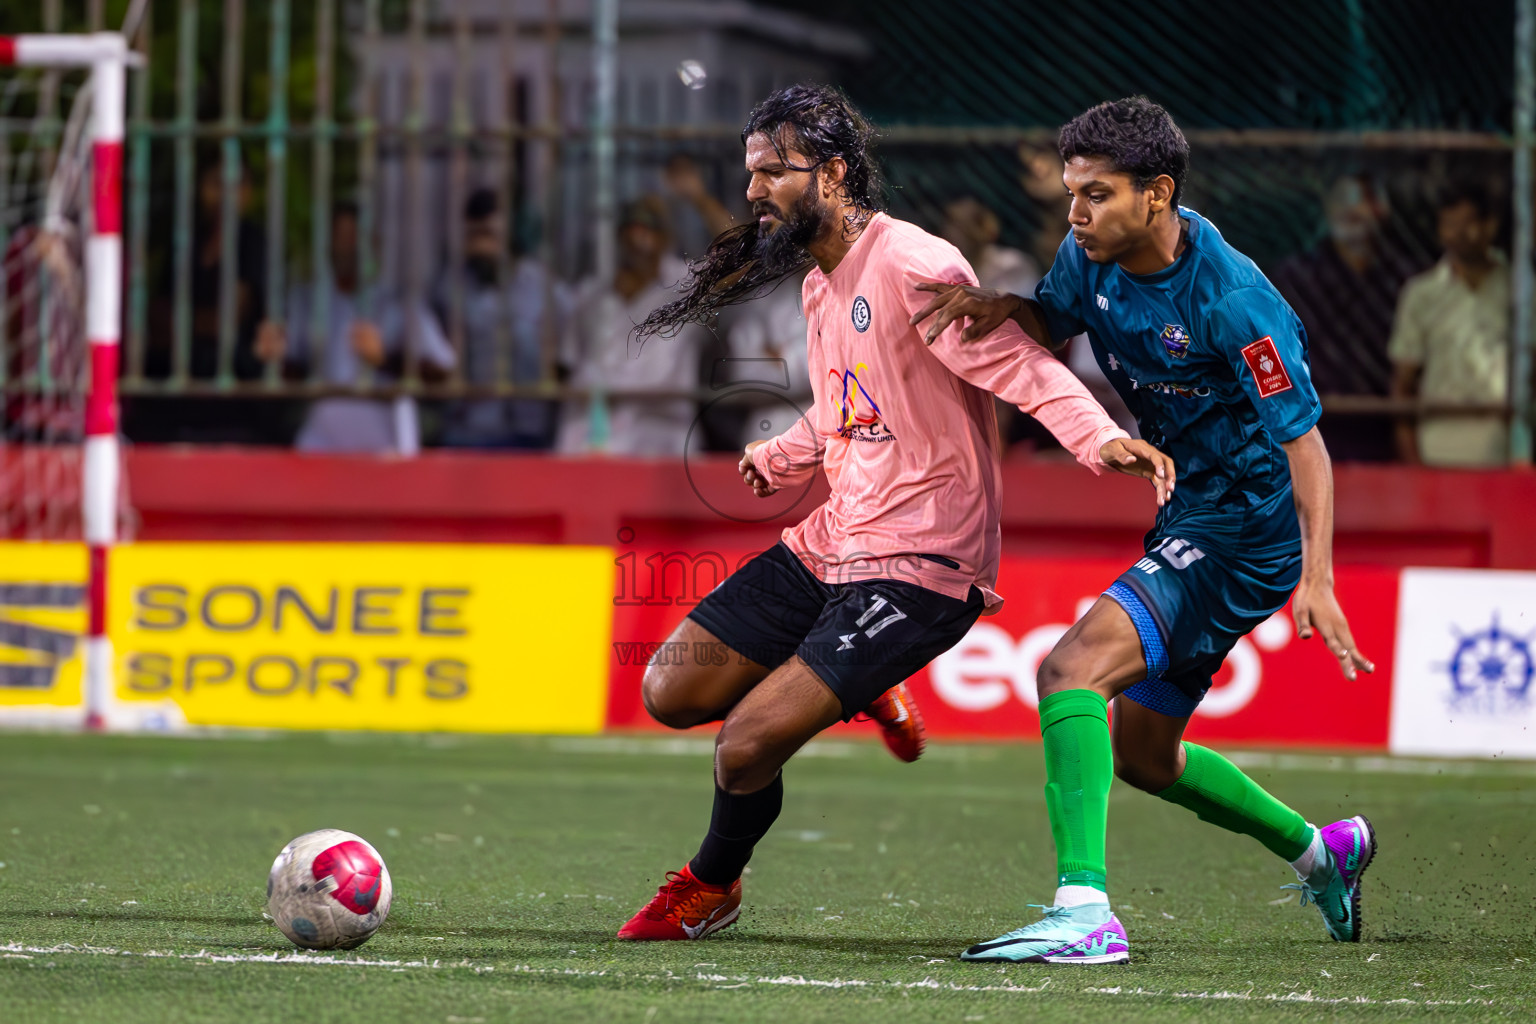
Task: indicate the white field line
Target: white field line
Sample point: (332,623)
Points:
(1380,764)
(1287,997)
(725,981)
(1377,764)
(739,981)
(1370,764)
(665,746)
(17,951)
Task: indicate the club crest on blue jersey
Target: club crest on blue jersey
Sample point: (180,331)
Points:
(1175,340)
(861,316)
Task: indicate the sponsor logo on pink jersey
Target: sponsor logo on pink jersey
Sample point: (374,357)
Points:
(859,416)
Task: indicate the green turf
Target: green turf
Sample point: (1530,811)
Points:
(514,861)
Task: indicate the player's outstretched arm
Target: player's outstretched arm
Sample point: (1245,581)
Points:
(1015,368)
(985,308)
(1314,606)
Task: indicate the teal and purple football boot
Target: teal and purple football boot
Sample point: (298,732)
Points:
(1064,935)
(1335,886)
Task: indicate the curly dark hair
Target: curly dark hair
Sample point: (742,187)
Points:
(820,123)
(1137,136)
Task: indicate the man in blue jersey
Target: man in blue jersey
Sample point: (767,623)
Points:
(1213,364)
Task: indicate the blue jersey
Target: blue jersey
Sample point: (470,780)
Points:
(1212,362)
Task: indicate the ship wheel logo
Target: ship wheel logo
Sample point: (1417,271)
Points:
(1491,670)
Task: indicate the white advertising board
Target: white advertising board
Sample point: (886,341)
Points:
(1465,681)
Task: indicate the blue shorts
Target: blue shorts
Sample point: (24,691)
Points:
(1190,607)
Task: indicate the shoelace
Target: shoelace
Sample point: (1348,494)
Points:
(676,884)
(1308,895)
(1046,914)
(1311,895)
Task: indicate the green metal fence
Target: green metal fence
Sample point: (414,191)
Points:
(301,105)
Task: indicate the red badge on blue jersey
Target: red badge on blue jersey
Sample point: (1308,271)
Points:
(1268,371)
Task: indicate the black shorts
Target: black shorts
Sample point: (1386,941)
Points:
(860,638)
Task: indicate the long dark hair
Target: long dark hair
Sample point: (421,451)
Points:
(819,122)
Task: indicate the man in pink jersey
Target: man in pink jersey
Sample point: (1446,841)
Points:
(900,561)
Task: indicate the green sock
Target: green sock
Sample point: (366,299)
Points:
(1078,770)
(1219,792)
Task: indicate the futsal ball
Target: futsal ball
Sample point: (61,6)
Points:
(692,74)
(328,890)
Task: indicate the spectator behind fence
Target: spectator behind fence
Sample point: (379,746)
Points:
(694,214)
(1450,342)
(1345,290)
(366,336)
(44,309)
(176,418)
(597,350)
(513,310)
(207,274)
(971,226)
(974,229)
(1040,170)
(768,336)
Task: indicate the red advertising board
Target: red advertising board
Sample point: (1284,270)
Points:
(653,589)
(1274,688)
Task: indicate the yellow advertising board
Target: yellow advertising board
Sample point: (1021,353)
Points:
(466,638)
(42,620)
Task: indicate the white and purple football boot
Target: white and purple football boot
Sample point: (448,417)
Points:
(1089,934)
(1335,886)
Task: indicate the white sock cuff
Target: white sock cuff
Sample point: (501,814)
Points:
(1311,856)
(1079,896)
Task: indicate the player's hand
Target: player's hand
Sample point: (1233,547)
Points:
(986,308)
(1041,175)
(749,473)
(1316,610)
(271,341)
(1137,458)
(368,343)
(684,180)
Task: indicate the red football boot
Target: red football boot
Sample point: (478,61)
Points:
(685,908)
(901,723)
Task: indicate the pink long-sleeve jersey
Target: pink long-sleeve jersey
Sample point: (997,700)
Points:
(906,431)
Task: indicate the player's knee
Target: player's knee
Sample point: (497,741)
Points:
(1148,774)
(741,761)
(661,697)
(1055,673)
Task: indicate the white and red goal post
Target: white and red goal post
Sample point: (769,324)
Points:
(105,55)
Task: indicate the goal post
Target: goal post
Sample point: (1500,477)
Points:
(105,56)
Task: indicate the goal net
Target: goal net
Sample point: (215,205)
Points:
(61,131)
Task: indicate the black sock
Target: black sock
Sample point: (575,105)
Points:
(736,825)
